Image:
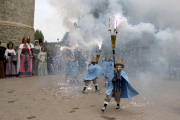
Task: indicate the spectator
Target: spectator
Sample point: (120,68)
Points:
(10,55)
(49,59)
(2,61)
(31,46)
(36,51)
(42,67)
(24,68)
(40,43)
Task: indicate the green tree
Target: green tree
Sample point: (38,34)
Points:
(45,44)
(65,37)
(38,35)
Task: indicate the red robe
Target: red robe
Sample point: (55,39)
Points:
(25,69)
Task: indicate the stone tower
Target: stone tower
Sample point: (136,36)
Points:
(16,21)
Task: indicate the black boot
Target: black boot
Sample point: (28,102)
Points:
(104,108)
(118,106)
(84,90)
(96,88)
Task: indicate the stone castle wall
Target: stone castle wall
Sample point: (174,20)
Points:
(16,20)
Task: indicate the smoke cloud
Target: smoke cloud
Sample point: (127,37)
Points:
(152,24)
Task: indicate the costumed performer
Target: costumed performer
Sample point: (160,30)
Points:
(92,75)
(74,70)
(24,68)
(106,69)
(118,86)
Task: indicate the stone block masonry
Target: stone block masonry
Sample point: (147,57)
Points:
(16,20)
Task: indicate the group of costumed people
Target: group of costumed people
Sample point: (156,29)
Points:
(115,78)
(74,64)
(72,70)
(30,60)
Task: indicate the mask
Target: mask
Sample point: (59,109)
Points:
(119,68)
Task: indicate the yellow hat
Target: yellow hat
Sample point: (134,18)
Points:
(119,63)
(95,60)
(110,58)
(97,56)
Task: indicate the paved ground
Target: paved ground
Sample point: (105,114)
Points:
(49,98)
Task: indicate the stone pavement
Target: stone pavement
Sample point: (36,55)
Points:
(49,98)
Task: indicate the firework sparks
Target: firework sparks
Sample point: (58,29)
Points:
(98,41)
(100,46)
(76,44)
(116,19)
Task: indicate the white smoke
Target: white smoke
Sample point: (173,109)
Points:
(152,21)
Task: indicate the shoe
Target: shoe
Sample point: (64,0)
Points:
(117,107)
(72,81)
(103,109)
(97,90)
(84,92)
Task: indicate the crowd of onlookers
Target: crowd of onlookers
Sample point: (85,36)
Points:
(30,59)
(33,59)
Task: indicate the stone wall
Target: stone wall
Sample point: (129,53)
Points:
(14,34)
(16,20)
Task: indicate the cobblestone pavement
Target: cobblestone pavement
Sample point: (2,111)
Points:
(49,98)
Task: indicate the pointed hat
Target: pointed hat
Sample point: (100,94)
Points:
(119,63)
(110,58)
(94,60)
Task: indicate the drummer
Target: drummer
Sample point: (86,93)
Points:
(11,61)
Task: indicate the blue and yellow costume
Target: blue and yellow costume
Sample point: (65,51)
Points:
(119,88)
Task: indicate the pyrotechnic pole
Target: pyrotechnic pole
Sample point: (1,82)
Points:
(113,40)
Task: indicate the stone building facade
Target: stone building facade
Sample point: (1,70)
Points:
(16,21)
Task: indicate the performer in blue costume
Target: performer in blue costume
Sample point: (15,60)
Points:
(106,69)
(74,70)
(103,68)
(92,74)
(118,86)
(67,68)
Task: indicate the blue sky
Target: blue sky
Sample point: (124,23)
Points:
(48,21)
